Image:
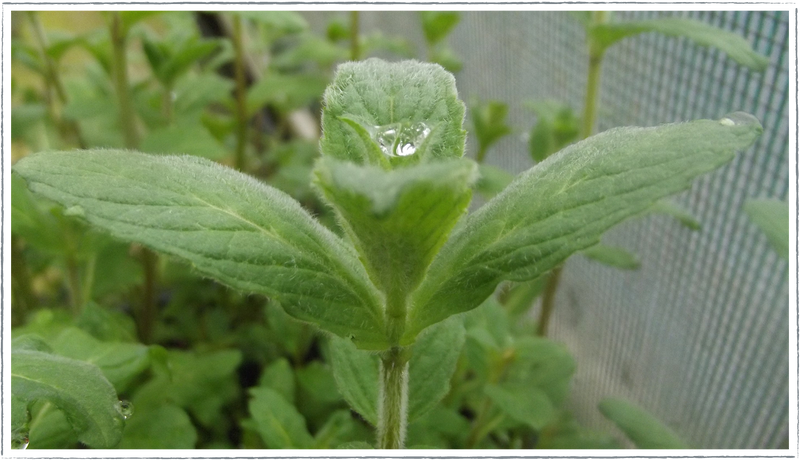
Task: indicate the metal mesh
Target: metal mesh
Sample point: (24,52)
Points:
(699,334)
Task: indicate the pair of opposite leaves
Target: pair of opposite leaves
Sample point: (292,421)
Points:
(401,269)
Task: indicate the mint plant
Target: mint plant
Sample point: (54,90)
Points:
(409,261)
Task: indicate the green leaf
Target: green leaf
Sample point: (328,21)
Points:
(285,22)
(432,364)
(673,209)
(639,426)
(397,219)
(565,204)
(734,45)
(163,427)
(337,428)
(285,92)
(77,388)
(129,18)
(120,362)
(190,138)
(433,361)
(544,364)
(200,383)
(556,127)
(277,421)
(612,256)
(446,57)
(772,217)
(438,24)
(229,226)
(524,404)
(356,375)
(355,445)
(31,219)
(193,93)
(489,124)
(280,377)
(492,180)
(368,99)
(310,48)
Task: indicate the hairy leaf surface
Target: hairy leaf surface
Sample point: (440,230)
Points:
(229,226)
(565,204)
(368,95)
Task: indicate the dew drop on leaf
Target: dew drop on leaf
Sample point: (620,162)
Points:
(727,122)
(125,408)
(400,139)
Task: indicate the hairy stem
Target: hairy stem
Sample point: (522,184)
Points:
(587,128)
(355,46)
(393,399)
(241,93)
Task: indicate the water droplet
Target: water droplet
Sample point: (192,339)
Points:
(400,139)
(739,119)
(727,122)
(75,211)
(19,440)
(125,408)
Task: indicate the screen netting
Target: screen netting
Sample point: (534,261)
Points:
(699,334)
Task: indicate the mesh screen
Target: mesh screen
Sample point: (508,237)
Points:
(699,334)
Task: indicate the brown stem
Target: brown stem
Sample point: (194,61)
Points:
(241,94)
(548,300)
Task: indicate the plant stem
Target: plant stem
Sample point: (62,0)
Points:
(167,104)
(24,298)
(53,79)
(241,93)
(120,69)
(355,49)
(587,128)
(393,399)
(548,300)
(127,119)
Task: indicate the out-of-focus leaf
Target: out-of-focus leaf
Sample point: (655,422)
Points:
(673,209)
(188,139)
(165,426)
(278,422)
(732,44)
(772,217)
(524,404)
(612,256)
(438,24)
(492,180)
(489,124)
(646,431)
(280,377)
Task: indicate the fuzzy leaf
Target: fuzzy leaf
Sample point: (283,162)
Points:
(229,226)
(612,256)
(277,421)
(397,219)
(646,431)
(356,375)
(77,388)
(772,217)
(368,96)
(734,45)
(565,204)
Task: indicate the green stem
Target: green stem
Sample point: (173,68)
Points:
(24,298)
(355,48)
(241,94)
(53,79)
(120,69)
(75,291)
(393,399)
(548,300)
(587,128)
